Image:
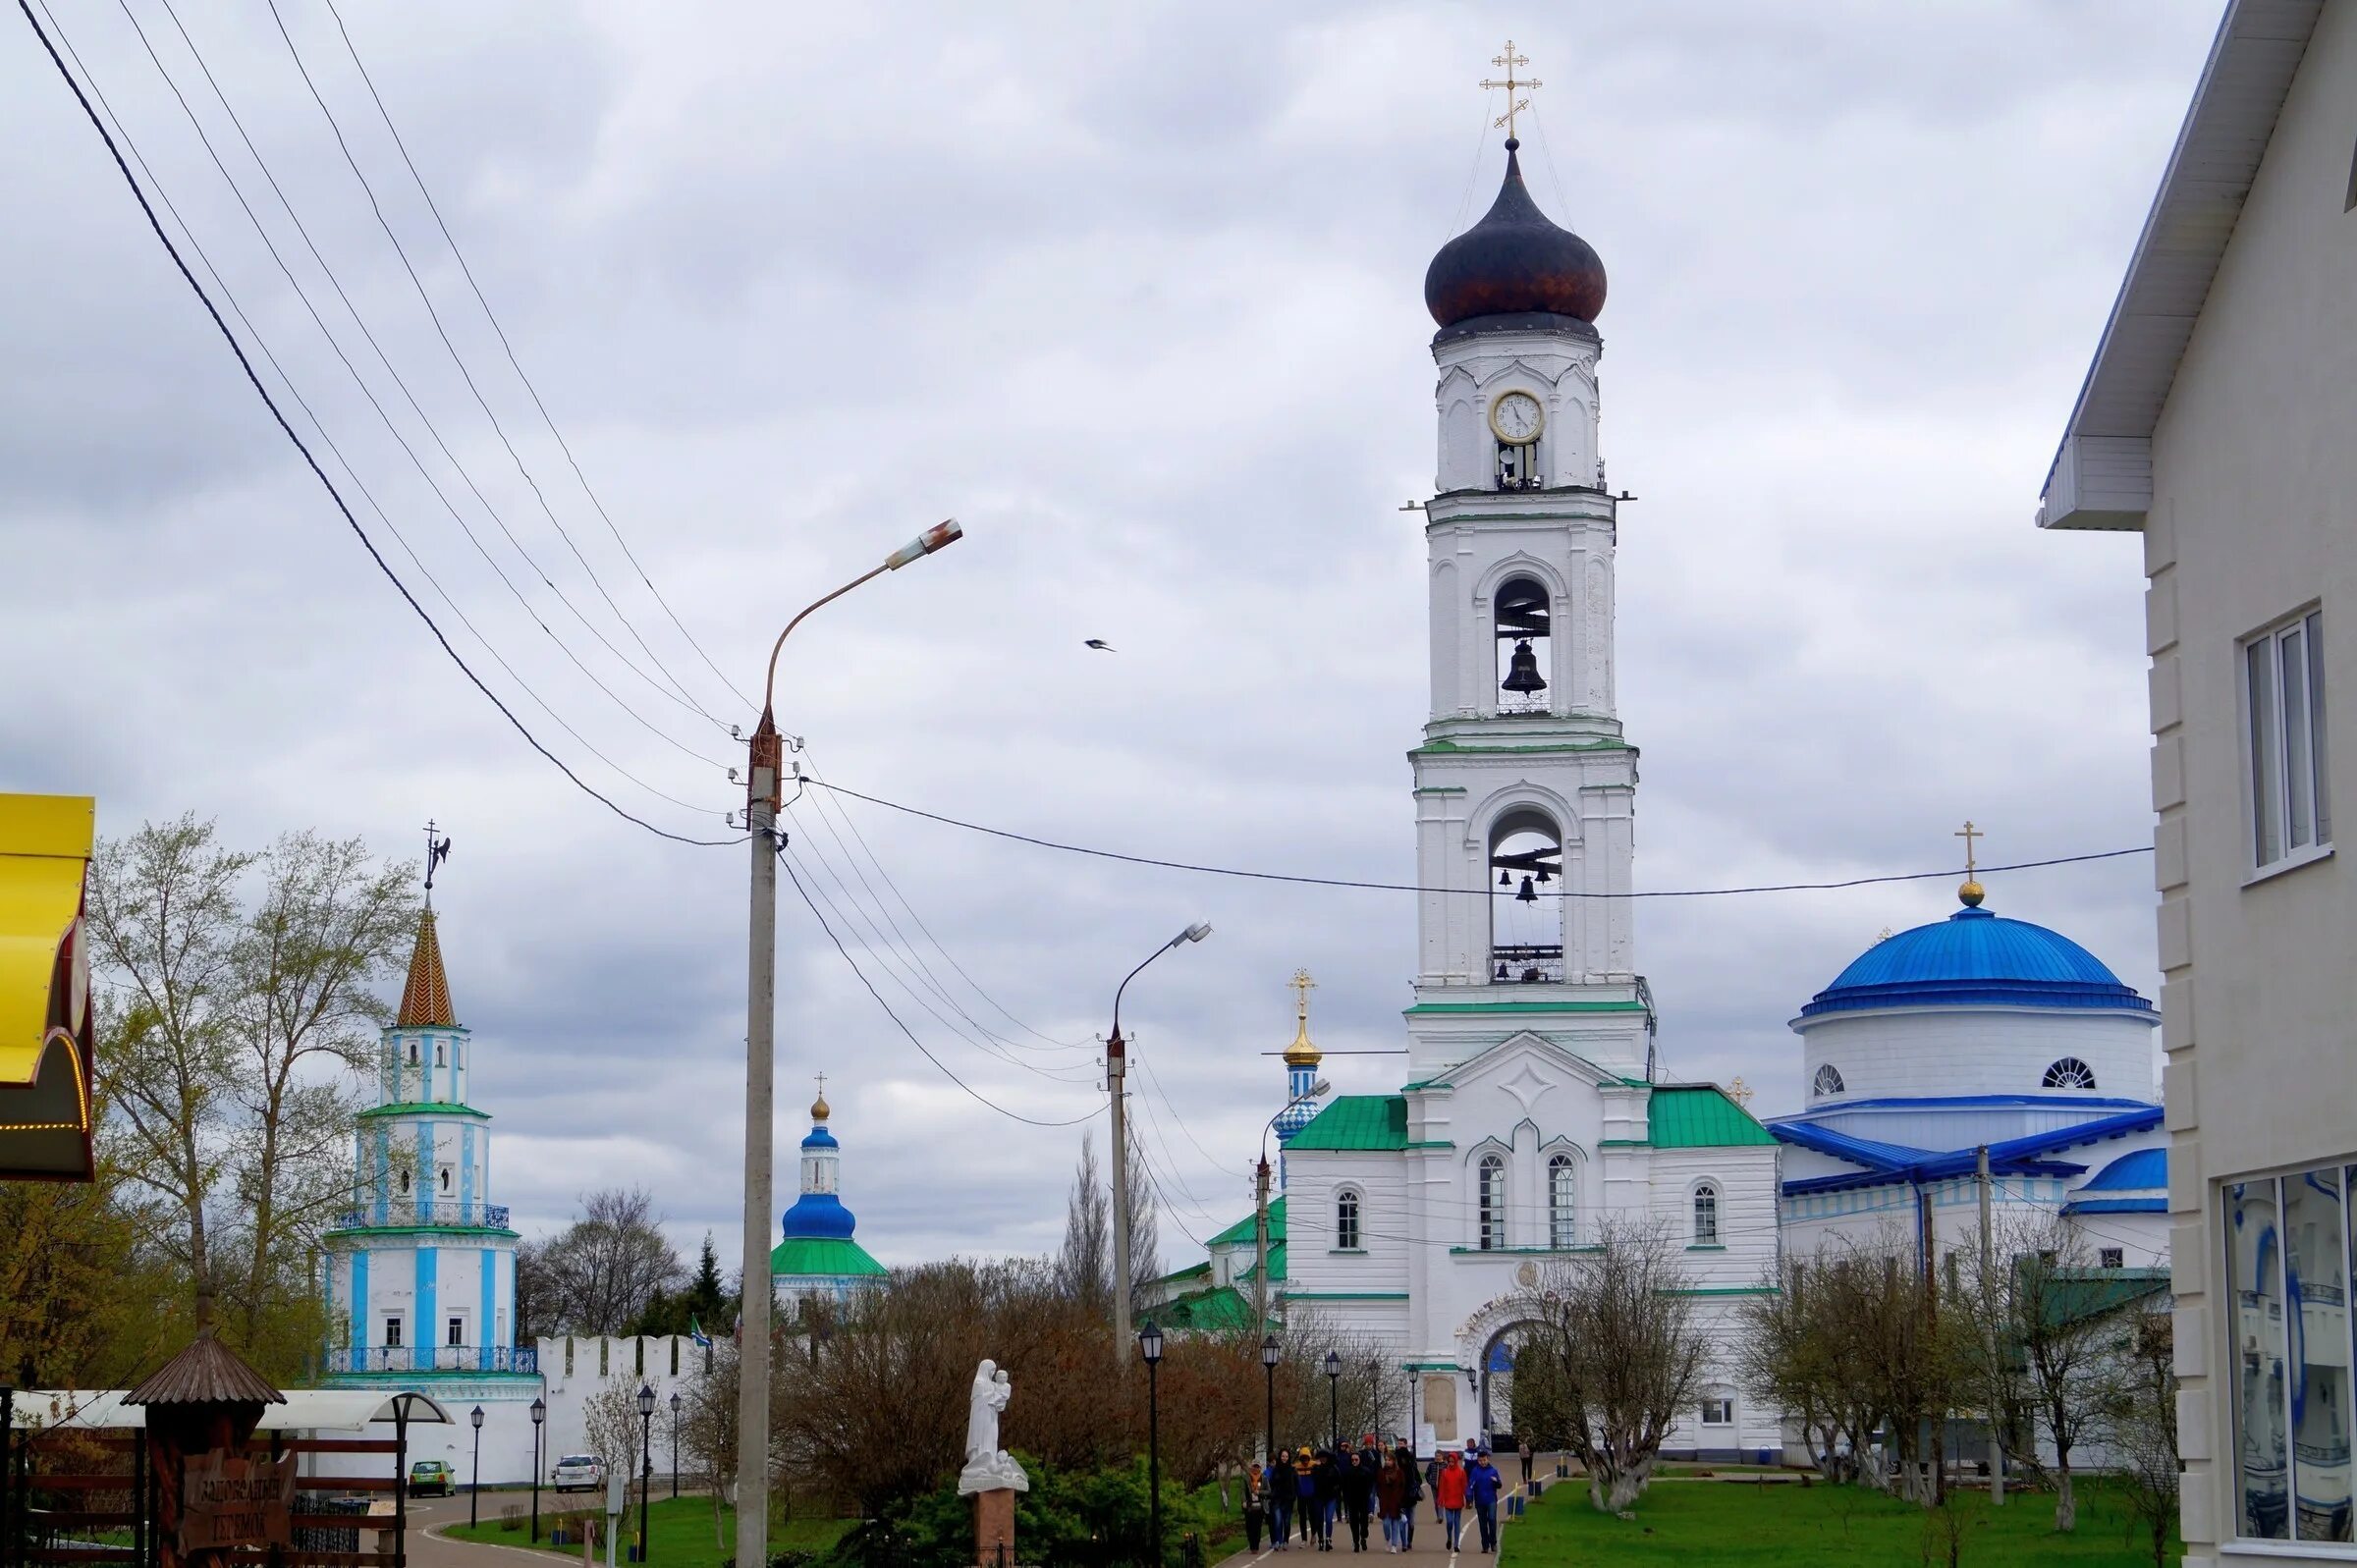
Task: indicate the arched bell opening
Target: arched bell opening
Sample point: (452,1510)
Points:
(1524,619)
(1526,904)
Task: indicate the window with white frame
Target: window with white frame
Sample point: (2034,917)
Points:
(1706,1215)
(1490,1202)
(453,1329)
(1563,1201)
(2284,721)
(392,1331)
(1345,1219)
(1719,1411)
(2112,1257)
(2069,1072)
(1827,1082)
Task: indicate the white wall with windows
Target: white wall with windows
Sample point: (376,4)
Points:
(1918,1053)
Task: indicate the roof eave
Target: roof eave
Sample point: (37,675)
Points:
(2102,473)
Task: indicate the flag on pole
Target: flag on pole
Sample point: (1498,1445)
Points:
(695,1331)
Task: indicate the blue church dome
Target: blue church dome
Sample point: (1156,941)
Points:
(1974,959)
(818,1214)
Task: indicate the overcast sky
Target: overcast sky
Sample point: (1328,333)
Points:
(1139,302)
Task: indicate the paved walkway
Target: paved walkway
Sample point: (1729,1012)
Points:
(1431,1542)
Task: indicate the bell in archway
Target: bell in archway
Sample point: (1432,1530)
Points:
(1528,895)
(1522,671)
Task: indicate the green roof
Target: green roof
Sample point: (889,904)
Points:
(1223,1307)
(1358,1123)
(822,1255)
(1276,1263)
(1242,1234)
(1701,1117)
(1202,1270)
(2080,1293)
(437,1108)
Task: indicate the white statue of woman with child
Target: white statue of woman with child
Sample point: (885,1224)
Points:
(988,1467)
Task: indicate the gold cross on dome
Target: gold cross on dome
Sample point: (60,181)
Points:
(1513,105)
(1738,1091)
(822,1086)
(1969,833)
(1304,985)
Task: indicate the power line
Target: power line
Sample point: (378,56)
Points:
(563,445)
(369,336)
(443,332)
(1013,1115)
(319,428)
(334,494)
(1410,887)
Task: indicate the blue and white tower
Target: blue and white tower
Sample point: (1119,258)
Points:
(421,1271)
(1301,1060)
(817,1260)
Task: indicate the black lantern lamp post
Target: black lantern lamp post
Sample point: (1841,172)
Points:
(1334,1394)
(646,1459)
(1149,1348)
(474,1487)
(675,1446)
(539,1415)
(1269,1353)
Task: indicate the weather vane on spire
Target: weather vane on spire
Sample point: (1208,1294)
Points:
(437,850)
(1513,105)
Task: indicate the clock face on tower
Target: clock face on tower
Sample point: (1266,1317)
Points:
(1515,419)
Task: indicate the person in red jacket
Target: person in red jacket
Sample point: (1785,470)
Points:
(1390,1502)
(1449,1494)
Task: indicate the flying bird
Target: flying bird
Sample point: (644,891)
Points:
(1101,646)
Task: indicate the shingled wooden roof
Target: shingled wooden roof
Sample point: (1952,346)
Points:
(425,1000)
(207,1372)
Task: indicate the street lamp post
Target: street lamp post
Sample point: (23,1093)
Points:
(763,799)
(1116,1070)
(539,1415)
(1269,1353)
(675,1446)
(1149,1347)
(646,1459)
(474,1487)
(1333,1395)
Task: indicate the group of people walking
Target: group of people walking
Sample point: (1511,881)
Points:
(1310,1492)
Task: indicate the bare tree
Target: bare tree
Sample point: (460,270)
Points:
(598,1275)
(1793,1355)
(1085,1265)
(611,1418)
(1145,1240)
(2139,1424)
(708,1432)
(1612,1358)
(2051,1313)
(235,1027)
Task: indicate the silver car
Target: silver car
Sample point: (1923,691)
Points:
(578,1472)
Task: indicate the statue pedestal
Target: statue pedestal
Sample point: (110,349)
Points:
(994,1527)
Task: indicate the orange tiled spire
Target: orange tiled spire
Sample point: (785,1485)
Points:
(425,1000)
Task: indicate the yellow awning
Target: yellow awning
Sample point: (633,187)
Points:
(45,1026)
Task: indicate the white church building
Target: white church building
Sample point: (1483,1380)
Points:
(1532,1110)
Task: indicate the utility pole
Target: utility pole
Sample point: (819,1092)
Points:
(1116,1071)
(1996,1429)
(1260,1244)
(766,753)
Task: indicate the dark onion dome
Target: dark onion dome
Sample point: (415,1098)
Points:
(1514,260)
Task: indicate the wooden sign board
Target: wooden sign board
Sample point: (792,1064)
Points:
(231,1500)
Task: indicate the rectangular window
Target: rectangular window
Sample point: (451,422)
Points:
(2284,692)
(2262,1444)
(392,1333)
(1717,1412)
(456,1332)
(2317,1278)
(2112,1257)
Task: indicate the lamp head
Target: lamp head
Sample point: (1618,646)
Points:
(1334,1364)
(475,1418)
(941,536)
(1195,933)
(1149,1342)
(1270,1351)
(646,1401)
(539,1411)
(1320,1090)
(675,1406)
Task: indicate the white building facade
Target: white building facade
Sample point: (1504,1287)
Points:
(1531,1113)
(2215,422)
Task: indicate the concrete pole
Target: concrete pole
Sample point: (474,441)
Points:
(1260,1246)
(1996,1436)
(1116,1068)
(760,1066)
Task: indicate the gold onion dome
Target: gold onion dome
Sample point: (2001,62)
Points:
(1302,1052)
(819,1111)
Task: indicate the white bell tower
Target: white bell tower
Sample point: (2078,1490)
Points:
(1524,785)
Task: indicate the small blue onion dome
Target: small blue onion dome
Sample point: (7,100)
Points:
(1974,959)
(1515,261)
(818,1214)
(820,1138)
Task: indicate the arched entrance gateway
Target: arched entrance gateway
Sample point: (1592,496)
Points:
(1488,1345)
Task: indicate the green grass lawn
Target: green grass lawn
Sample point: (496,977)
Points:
(682,1528)
(1730,1524)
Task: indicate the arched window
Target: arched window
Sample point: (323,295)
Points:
(446,1178)
(404,1178)
(1827,1082)
(1706,1215)
(412,1053)
(1490,1182)
(438,1061)
(1526,909)
(2070,1073)
(1562,1177)
(1522,617)
(1345,1219)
